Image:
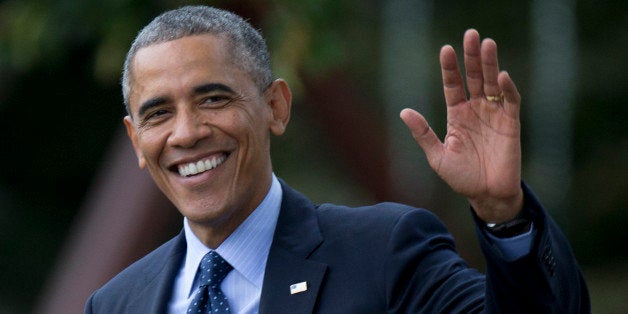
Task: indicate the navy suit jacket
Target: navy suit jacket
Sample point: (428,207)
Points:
(386,258)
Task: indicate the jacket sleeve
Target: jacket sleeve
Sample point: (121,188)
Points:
(425,274)
(547,280)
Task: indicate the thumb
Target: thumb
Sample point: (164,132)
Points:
(422,134)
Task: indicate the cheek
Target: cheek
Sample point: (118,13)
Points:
(236,124)
(255,122)
(255,132)
(151,147)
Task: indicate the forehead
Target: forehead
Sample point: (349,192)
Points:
(206,49)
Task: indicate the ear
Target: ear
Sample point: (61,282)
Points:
(131,131)
(279,98)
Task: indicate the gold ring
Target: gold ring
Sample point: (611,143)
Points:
(499,98)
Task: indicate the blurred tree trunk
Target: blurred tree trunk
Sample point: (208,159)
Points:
(552,104)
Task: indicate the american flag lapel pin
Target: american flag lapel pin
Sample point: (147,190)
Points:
(298,287)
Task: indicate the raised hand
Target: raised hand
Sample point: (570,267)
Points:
(480,157)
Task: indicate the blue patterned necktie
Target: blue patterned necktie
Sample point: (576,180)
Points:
(209,298)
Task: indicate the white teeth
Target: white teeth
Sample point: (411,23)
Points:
(200,166)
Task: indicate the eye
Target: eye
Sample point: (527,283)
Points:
(215,101)
(157,113)
(154,117)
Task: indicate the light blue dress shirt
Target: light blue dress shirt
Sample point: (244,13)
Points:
(246,249)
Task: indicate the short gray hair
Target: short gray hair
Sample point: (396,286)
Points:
(247,46)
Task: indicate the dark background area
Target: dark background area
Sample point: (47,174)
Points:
(61,109)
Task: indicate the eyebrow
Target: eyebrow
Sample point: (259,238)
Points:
(201,89)
(212,87)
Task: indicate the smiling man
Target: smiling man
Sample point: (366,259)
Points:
(200,124)
(202,105)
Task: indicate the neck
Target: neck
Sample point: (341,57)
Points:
(213,233)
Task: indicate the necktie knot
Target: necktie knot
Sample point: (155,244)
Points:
(213,270)
(211,273)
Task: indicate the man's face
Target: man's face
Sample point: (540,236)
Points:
(201,127)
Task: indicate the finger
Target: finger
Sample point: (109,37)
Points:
(490,67)
(473,63)
(512,98)
(453,86)
(423,135)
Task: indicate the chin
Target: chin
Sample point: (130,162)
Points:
(201,212)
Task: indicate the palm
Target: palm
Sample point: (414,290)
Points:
(480,149)
(480,156)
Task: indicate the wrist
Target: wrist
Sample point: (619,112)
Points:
(497,211)
(520,224)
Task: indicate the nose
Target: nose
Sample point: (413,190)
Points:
(188,129)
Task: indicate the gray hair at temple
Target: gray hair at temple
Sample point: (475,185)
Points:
(248,48)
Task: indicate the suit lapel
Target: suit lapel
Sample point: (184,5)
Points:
(297,235)
(159,279)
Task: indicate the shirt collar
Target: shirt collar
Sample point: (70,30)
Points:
(246,249)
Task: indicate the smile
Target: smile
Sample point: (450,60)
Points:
(201,166)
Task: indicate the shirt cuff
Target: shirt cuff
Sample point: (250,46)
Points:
(515,247)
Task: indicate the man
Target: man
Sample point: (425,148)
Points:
(201,105)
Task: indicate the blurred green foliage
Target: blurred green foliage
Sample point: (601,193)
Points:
(60,105)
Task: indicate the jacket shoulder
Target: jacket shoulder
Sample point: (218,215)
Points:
(122,289)
(384,216)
